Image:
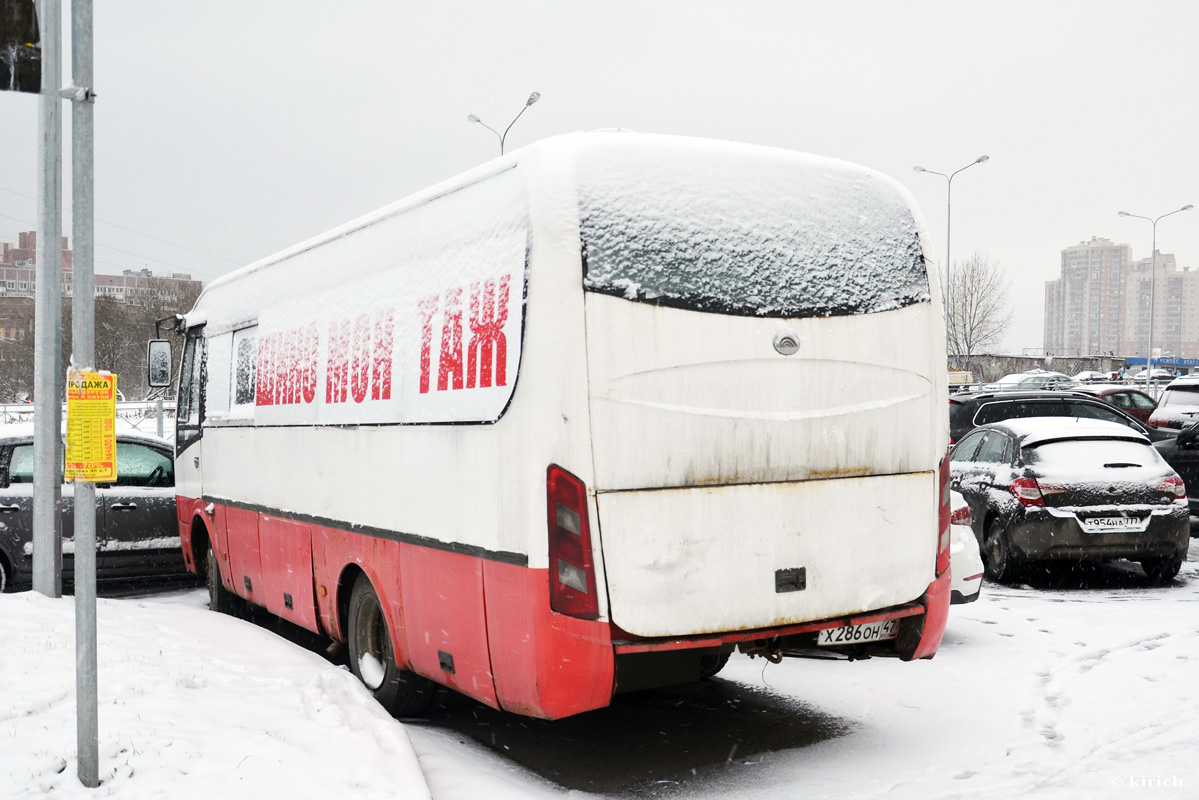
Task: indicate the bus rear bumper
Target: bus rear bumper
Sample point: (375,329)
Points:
(921,624)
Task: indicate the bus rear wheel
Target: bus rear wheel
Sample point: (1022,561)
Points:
(372,658)
(220,599)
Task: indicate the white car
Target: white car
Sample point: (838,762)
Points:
(965,562)
(1035,379)
(1158,375)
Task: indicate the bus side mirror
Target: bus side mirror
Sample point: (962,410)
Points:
(158,363)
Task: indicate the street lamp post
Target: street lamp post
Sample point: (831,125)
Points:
(948,217)
(1153,282)
(533,98)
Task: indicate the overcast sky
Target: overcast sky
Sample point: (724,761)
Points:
(239,128)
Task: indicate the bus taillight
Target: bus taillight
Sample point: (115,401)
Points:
(572,572)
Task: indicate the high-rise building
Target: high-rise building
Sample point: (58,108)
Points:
(1083,306)
(1102,303)
(1174,307)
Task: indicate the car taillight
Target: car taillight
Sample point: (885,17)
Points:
(943,519)
(1173,485)
(1030,493)
(572,572)
(960,516)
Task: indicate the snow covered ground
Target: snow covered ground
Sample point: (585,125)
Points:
(1047,691)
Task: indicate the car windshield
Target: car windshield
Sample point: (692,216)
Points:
(755,235)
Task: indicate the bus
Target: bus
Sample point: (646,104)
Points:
(584,420)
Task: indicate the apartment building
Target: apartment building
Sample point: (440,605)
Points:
(1083,307)
(1103,301)
(18,276)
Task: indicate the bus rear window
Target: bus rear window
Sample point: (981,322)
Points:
(746,234)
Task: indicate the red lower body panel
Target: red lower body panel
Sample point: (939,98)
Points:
(546,664)
(936,614)
(479,626)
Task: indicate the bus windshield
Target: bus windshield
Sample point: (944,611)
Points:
(746,235)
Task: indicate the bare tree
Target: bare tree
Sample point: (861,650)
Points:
(978,306)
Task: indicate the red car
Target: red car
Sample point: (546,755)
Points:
(1133,401)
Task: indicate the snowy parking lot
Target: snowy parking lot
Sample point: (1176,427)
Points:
(1078,684)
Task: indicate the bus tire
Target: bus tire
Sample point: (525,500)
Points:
(712,663)
(220,599)
(372,658)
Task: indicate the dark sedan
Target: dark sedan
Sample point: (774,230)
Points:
(1041,489)
(137,533)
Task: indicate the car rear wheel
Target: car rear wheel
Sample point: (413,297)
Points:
(1161,570)
(3,576)
(1000,562)
(220,599)
(372,658)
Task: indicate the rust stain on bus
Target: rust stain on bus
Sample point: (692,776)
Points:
(839,472)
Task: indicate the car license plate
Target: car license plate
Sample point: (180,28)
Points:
(857,634)
(1102,524)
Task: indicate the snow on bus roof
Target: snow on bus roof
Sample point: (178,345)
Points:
(224,299)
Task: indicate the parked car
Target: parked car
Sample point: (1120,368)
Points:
(1181,452)
(1158,375)
(1179,404)
(968,410)
(965,560)
(1041,489)
(1133,401)
(1092,376)
(137,531)
(1034,379)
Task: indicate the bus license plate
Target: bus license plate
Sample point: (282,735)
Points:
(857,634)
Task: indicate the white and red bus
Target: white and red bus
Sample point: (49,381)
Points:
(583,420)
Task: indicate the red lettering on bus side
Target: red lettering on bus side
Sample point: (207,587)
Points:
(262,391)
(337,377)
(311,348)
(427,308)
(288,340)
(450,364)
(488,315)
(381,374)
(361,358)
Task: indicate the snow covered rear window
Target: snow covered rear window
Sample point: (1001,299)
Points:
(1186,394)
(747,234)
(1091,456)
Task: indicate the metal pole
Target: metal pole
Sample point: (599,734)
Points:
(47,348)
(948,228)
(1152,300)
(948,219)
(84,357)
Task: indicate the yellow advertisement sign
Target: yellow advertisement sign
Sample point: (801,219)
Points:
(91,426)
